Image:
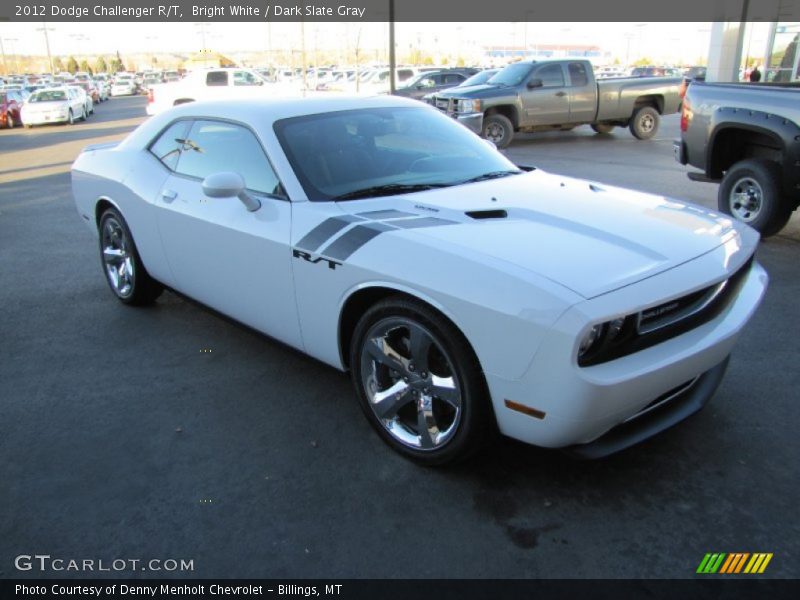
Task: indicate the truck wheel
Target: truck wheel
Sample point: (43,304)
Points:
(602,127)
(644,122)
(498,129)
(751,193)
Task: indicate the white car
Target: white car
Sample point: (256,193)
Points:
(123,86)
(88,103)
(53,105)
(381,237)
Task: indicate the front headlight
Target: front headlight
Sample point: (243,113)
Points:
(604,338)
(469,106)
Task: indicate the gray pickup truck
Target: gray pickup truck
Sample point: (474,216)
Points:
(560,95)
(746,137)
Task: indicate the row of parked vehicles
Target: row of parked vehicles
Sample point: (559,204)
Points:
(45,105)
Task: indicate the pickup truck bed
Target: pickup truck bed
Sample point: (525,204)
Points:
(746,137)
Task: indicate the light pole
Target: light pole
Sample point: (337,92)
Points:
(3,50)
(45,29)
(13,54)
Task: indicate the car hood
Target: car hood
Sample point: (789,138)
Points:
(588,237)
(483,90)
(48,106)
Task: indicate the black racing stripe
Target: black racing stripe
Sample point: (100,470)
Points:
(325,231)
(386,214)
(351,241)
(422,222)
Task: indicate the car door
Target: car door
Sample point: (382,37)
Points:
(582,93)
(549,103)
(232,259)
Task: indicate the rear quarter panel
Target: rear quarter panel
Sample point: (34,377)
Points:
(618,96)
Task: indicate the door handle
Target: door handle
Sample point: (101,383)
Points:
(169,195)
(560,94)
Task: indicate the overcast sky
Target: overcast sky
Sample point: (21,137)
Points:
(663,42)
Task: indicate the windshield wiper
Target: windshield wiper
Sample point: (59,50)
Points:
(389,189)
(490,175)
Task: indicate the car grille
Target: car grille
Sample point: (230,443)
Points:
(443,104)
(670,319)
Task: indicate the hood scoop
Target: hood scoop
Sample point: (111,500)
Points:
(487,214)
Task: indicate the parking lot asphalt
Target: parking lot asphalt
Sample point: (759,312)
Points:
(171,432)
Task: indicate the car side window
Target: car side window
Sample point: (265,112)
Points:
(169,145)
(577,74)
(453,78)
(244,78)
(551,76)
(216,146)
(217,78)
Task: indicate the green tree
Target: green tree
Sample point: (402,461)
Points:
(72,65)
(85,66)
(116,65)
(58,65)
(100,65)
(643,62)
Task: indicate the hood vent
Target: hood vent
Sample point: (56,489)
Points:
(487,214)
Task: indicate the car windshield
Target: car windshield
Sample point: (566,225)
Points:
(479,78)
(48,96)
(511,75)
(379,151)
(414,80)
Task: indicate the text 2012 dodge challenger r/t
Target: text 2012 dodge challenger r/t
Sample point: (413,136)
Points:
(460,291)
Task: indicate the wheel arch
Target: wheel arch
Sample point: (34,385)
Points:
(360,299)
(507,110)
(654,100)
(103,203)
(734,141)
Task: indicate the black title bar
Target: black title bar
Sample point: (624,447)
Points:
(404,10)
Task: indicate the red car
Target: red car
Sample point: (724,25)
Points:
(10,103)
(91,89)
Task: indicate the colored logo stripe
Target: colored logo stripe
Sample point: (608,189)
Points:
(733,563)
(711,563)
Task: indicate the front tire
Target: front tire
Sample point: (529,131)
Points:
(644,122)
(123,268)
(10,121)
(419,383)
(751,192)
(498,129)
(70,118)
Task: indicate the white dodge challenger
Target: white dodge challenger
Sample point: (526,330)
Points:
(464,294)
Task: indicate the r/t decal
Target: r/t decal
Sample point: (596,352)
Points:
(306,256)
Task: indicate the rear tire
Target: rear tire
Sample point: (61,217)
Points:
(419,383)
(10,121)
(644,122)
(602,127)
(751,193)
(498,129)
(125,273)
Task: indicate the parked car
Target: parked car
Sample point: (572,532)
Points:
(88,102)
(10,106)
(433,81)
(124,86)
(558,95)
(745,137)
(91,90)
(54,105)
(460,291)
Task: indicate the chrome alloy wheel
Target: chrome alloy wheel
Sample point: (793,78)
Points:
(410,383)
(745,199)
(117,258)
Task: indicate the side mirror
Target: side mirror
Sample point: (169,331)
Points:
(535,83)
(228,184)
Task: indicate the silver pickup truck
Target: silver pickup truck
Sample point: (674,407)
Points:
(560,95)
(746,137)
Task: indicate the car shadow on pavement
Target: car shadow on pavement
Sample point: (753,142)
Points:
(59,134)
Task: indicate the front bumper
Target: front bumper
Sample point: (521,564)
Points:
(472,121)
(572,405)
